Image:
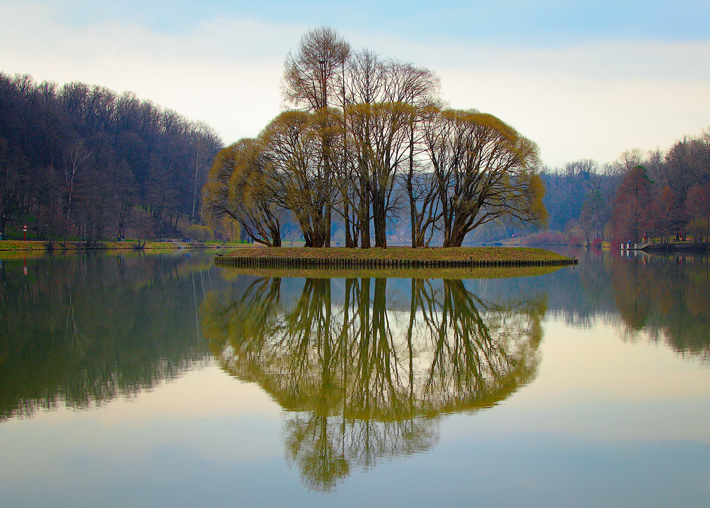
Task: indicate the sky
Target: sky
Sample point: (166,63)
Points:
(584,80)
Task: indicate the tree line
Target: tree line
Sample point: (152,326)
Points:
(80,161)
(657,195)
(367,144)
(663,196)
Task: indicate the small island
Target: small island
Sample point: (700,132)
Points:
(396,258)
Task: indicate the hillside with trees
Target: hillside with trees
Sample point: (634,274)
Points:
(84,162)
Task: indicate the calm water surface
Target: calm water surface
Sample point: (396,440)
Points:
(160,380)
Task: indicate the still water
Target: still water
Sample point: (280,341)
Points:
(160,380)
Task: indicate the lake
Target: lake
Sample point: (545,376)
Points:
(160,380)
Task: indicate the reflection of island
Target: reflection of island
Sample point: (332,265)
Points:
(83,330)
(364,378)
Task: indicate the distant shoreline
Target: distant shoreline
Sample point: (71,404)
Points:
(678,246)
(76,246)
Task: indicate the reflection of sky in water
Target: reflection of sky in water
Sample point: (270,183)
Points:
(607,421)
(557,439)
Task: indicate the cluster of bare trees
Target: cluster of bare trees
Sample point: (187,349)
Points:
(369,143)
(580,196)
(83,162)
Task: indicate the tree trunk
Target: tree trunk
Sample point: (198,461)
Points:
(364,224)
(328,227)
(348,235)
(378,212)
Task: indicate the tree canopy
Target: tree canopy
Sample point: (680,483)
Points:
(372,138)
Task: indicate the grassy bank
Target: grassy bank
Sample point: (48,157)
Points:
(461,262)
(476,254)
(39,246)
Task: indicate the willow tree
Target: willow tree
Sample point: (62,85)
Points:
(368,134)
(484,171)
(241,187)
(374,86)
(294,145)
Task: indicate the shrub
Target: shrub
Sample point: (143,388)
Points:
(545,238)
(200,233)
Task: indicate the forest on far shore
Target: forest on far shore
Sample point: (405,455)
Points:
(657,196)
(83,162)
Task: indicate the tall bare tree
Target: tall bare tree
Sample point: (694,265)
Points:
(313,76)
(313,79)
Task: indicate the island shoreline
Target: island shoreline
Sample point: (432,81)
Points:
(394,258)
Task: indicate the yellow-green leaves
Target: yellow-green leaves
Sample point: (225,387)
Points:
(484,171)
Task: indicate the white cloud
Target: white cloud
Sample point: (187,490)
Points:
(587,101)
(573,118)
(226,73)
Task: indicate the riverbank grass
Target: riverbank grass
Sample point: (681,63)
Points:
(61,246)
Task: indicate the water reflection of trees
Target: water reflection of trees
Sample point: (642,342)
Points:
(668,297)
(83,330)
(663,296)
(364,377)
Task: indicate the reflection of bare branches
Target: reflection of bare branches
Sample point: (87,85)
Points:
(253,315)
(325,448)
(310,443)
(478,349)
(363,381)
